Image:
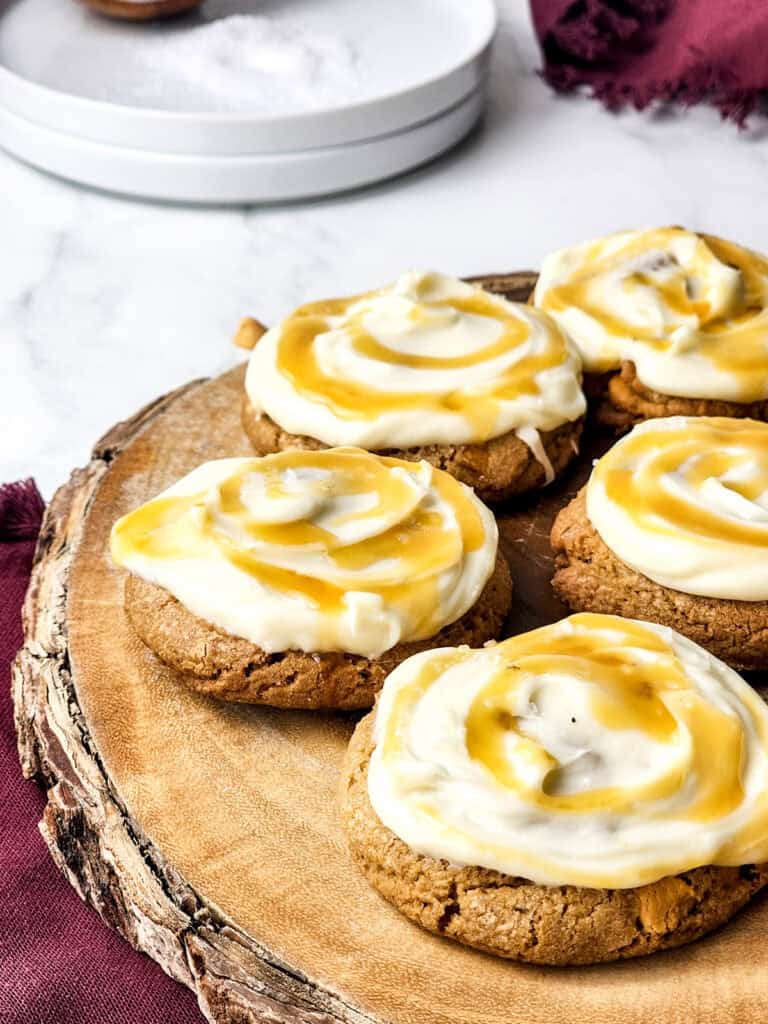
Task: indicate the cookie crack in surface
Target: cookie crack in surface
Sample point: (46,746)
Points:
(450,910)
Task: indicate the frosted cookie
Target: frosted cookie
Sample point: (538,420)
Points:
(300,579)
(673,526)
(431,368)
(593,790)
(667,322)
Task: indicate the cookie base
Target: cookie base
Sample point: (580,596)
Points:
(619,401)
(498,470)
(517,919)
(590,577)
(233,669)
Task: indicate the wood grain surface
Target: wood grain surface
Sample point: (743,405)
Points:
(207,833)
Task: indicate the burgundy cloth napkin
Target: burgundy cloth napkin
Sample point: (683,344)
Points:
(59,964)
(639,51)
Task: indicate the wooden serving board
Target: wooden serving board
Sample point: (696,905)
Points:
(207,833)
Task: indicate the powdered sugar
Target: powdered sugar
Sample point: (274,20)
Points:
(240,63)
(244,62)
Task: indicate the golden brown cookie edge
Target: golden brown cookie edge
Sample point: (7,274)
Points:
(497,470)
(518,919)
(589,577)
(231,668)
(619,401)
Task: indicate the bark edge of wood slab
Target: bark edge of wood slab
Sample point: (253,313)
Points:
(87,828)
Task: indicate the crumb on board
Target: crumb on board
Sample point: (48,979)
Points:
(248,333)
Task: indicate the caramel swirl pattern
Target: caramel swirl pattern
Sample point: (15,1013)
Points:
(597,751)
(315,551)
(684,501)
(428,360)
(689,311)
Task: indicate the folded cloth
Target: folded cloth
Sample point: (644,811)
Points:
(635,52)
(59,964)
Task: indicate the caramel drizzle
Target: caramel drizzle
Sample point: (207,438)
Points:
(653,697)
(402,564)
(636,684)
(735,343)
(734,452)
(351,400)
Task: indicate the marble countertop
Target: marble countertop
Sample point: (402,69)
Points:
(106,303)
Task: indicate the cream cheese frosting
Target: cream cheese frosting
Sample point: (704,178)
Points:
(597,751)
(684,501)
(690,311)
(428,360)
(315,551)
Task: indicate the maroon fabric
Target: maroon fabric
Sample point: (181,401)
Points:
(59,964)
(640,51)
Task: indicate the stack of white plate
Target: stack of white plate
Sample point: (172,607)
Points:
(69,101)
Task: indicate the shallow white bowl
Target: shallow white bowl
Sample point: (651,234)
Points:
(237,179)
(421,58)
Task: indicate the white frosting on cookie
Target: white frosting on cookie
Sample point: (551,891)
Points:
(597,751)
(427,360)
(684,501)
(689,311)
(315,551)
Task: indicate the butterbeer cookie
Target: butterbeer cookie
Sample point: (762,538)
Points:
(668,323)
(590,791)
(300,579)
(428,368)
(673,526)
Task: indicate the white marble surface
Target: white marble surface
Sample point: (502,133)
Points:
(106,302)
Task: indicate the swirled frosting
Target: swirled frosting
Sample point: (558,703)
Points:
(689,311)
(684,501)
(427,360)
(315,551)
(597,751)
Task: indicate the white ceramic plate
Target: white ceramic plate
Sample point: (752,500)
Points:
(66,69)
(237,179)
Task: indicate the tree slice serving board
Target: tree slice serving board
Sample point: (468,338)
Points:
(207,833)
